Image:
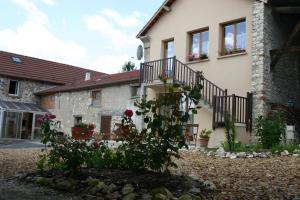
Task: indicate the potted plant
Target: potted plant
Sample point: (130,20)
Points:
(204,137)
(82,131)
(193,57)
(203,56)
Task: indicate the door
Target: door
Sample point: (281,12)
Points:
(168,53)
(105,128)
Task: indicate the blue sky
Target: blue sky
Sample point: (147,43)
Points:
(94,34)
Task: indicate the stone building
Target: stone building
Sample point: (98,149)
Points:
(247,50)
(101,102)
(21,77)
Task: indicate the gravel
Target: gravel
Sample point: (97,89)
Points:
(241,178)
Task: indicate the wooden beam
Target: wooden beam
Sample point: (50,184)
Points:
(291,38)
(287,9)
(292,49)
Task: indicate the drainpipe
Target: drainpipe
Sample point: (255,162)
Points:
(1,121)
(143,97)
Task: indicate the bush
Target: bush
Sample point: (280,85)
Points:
(65,153)
(229,132)
(270,130)
(163,136)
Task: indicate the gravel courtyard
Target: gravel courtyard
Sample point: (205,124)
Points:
(256,178)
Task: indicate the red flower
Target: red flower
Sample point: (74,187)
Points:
(91,126)
(49,116)
(96,144)
(128,113)
(40,120)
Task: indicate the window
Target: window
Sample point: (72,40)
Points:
(169,49)
(199,42)
(13,88)
(135,90)
(234,38)
(16,59)
(77,120)
(96,98)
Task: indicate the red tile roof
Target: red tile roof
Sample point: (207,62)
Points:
(42,70)
(103,81)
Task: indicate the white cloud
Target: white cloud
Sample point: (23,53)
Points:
(49,2)
(33,38)
(110,63)
(34,14)
(124,21)
(118,37)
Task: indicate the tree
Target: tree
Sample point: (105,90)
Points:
(128,66)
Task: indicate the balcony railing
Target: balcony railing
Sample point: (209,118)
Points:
(239,108)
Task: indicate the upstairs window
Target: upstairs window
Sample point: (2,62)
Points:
(13,88)
(135,91)
(234,38)
(199,42)
(96,98)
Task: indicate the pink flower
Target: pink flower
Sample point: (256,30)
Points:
(40,120)
(128,113)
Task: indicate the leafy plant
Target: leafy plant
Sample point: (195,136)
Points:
(128,66)
(205,133)
(270,130)
(163,136)
(85,126)
(229,132)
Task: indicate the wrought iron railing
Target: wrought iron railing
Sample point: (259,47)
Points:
(239,108)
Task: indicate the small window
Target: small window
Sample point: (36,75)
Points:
(77,120)
(16,59)
(199,42)
(135,90)
(234,38)
(13,88)
(96,98)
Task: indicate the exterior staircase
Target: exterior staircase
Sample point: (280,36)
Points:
(214,98)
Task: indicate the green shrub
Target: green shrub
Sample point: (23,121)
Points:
(282,147)
(229,132)
(270,130)
(163,136)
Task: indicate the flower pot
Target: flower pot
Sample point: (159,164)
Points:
(81,133)
(203,142)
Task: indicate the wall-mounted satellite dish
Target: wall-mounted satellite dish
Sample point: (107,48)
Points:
(140,52)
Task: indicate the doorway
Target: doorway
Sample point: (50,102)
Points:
(105,128)
(26,127)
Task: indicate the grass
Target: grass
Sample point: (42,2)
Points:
(259,148)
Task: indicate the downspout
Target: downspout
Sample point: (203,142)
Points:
(1,121)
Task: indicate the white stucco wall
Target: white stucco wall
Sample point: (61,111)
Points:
(228,72)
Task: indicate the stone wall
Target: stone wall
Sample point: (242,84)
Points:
(27,90)
(114,101)
(281,84)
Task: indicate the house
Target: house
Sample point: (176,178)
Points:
(102,101)
(246,49)
(21,77)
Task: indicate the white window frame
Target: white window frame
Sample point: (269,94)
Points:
(18,88)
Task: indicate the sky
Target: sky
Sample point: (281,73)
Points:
(94,34)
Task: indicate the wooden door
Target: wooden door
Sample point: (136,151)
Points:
(105,126)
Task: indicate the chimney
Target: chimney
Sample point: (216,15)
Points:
(87,76)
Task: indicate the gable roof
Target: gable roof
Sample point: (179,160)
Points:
(155,17)
(103,81)
(162,10)
(42,70)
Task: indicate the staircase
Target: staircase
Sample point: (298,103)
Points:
(214,98)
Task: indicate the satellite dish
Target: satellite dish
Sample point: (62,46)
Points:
(140,52)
